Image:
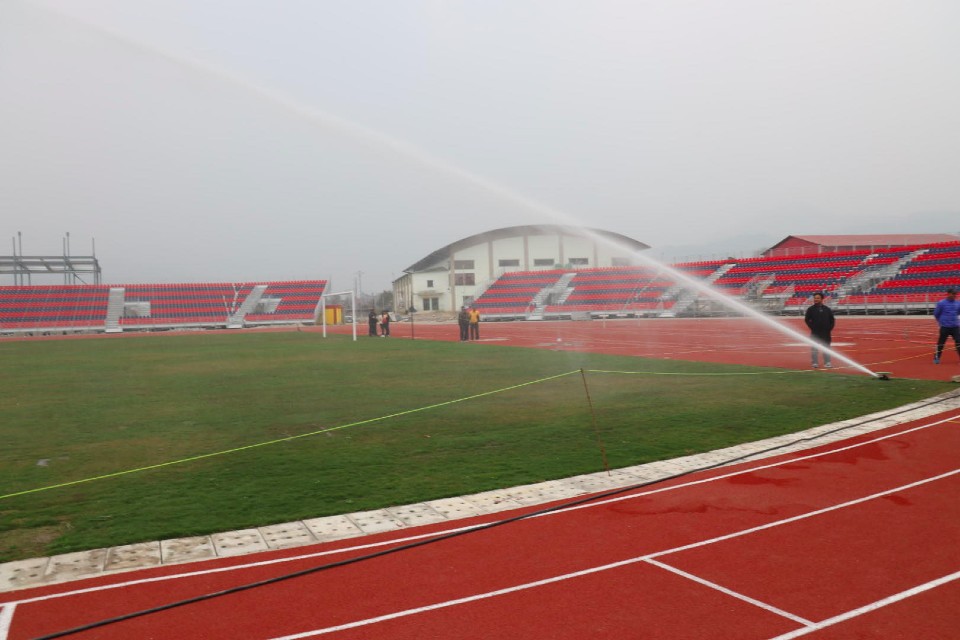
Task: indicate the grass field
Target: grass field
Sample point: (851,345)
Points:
(79,409)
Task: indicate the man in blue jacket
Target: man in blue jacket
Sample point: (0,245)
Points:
(946,313)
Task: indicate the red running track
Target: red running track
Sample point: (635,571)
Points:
(901,345)
(856,539)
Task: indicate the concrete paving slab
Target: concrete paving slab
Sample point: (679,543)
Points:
(289,534)
(453,508)
(416,514)
(377,521)
(493,501)
(22,573)
(540,496)
(235,543)
(80,564)
(133,556)
(187,549)
(333,528)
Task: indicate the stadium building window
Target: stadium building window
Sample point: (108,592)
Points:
(544,262)
(463,264)
(431,304)
(464,279)
(509,263)
(430,284)
(580,261)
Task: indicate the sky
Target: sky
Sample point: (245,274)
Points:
(235,140)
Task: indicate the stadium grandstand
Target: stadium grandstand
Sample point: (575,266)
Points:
(117,308)
(885,274)
(878,274)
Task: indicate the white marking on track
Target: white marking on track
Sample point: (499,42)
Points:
(873,606)
(730,592)
(6,619)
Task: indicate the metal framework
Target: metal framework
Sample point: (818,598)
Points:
(24,268)
(71,267)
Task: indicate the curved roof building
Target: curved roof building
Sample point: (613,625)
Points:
(456,274)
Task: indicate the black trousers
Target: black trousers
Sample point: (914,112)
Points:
(953,332)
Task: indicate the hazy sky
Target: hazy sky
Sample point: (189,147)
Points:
(227,140)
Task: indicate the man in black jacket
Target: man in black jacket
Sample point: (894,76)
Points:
(463,319)
(819,319)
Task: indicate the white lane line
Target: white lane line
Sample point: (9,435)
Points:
(6,619)
(440,532)
(730,592)
(803,516)
(458,601)
(606,567)
(873,606)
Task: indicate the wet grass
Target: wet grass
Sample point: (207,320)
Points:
(79,409)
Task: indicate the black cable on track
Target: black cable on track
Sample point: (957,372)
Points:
(462,532)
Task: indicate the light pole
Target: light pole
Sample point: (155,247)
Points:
(411,311)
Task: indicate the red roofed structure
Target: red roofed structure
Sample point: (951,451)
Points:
(805,245)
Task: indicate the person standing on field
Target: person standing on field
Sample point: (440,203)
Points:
(463,319)
(819,319)
(385,325)
(474,324)
(946,313)
(372,323)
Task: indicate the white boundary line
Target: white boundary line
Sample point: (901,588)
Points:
(730,592)
(615,565)
(6,618)
(873,606)
(398,541)
(803,516)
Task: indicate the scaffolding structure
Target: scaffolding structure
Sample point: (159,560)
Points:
(72,268)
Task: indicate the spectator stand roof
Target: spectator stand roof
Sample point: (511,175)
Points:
(442,255)
(798,245)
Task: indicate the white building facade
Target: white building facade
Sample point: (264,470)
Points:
(457,274)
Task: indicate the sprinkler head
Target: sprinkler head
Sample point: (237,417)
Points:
(883,375)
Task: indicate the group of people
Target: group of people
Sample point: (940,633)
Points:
(820,320)
(469,322)
(383,320)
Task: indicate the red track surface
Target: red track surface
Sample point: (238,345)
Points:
(903,346)
(856,539)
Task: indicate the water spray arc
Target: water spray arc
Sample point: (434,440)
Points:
(417,154)
(736,305)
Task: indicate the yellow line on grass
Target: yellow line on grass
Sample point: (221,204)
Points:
(287,439)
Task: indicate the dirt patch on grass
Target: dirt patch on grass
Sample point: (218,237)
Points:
(29,543)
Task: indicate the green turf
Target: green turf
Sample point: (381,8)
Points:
(77,409)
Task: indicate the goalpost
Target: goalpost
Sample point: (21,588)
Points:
(353,310)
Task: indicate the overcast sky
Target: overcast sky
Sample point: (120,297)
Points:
(229,140)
